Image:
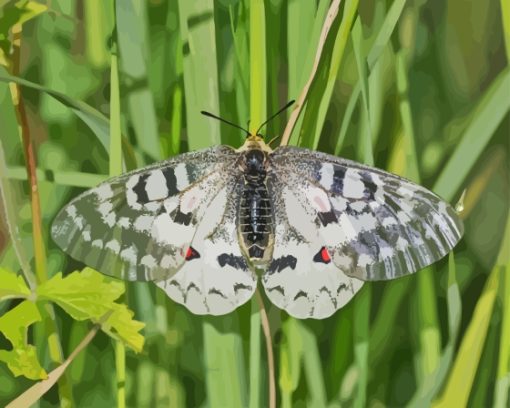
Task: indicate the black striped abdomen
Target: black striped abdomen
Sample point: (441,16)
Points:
(255,216)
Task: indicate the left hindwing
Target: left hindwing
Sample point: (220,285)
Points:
(375,225)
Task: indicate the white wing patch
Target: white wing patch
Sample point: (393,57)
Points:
(300,278)
(215,279)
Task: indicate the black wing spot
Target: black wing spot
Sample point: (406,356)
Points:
(338,180)
(300,294)
(281,263)
(370,189)
(327,217)
(214,291)
(236,262)
(333,300)
(277,288)
(341,287)
(241,286)
(141,190)
(181,218)
(171,181)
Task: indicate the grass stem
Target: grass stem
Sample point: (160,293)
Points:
(328,22)
(269,349)
(48,313)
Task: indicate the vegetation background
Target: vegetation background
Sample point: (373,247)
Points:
(421,88)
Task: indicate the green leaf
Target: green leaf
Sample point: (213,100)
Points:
(121,326)
(12,285)
(84,295)
(16,12)
(91,295)
(22,359)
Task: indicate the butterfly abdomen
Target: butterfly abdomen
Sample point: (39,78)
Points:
(255,212)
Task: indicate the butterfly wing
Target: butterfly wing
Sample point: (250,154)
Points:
(374,224)
(139,226)
(301,278)
(216,279)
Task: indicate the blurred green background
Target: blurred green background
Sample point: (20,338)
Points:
(420,88)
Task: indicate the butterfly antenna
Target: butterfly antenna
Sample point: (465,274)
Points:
(209,114)
(276,114)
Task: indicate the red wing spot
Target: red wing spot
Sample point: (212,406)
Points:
(191,253)
(322,256)
(325,255)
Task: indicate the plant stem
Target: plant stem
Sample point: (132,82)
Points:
(48,313)
(36,391)
(328,22)
(115,168)
(255,325)
(269,348)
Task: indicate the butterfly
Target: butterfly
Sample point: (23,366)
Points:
(205,225)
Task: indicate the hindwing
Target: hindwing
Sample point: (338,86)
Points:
(216,278)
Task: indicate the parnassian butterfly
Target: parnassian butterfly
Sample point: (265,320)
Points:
(204,225)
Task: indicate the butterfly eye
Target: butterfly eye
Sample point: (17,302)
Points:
(322,256)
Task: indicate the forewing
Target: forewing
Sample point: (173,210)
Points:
(139,225)
(300,278)
(216,278)
(375,225)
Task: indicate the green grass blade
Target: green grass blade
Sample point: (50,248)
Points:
(426,310)
(291,355)
(431,384)
(258,101)
(384,34)
(322,89)
(502,386)
(97,30)
(115,131)
(365,150)
(64,178)
(95,120)
(491,109)
(115,168)
(258,79)
(224,362)
(366,155)
(362,343)
(131,28)
(346,120)
(460,381)
(301,42)
(505,15)
(312,368)
(200,79)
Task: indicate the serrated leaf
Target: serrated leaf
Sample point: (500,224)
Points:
(84,295)
(121,326)
(12,285)
(22,359)
(91,295)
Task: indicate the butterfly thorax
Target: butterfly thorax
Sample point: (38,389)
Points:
(255,211)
